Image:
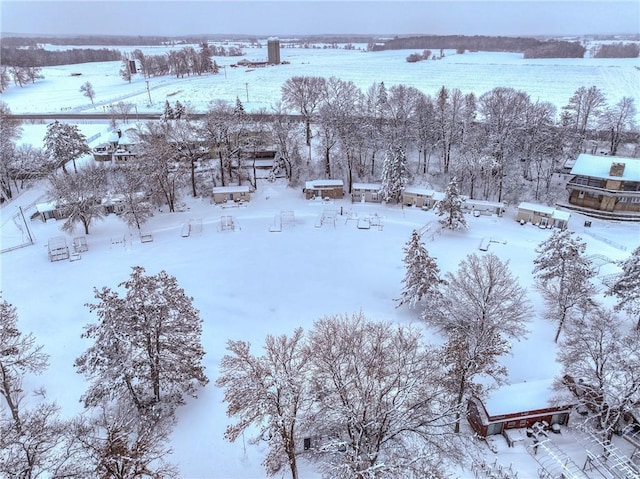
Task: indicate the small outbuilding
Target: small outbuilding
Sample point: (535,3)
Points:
(238,194)
(482,207)
(518,406)
(333,189)
(366,193)
(543,216)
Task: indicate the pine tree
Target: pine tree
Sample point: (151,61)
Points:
(168,113)
(239,108)
(215,69)
(422,278)
(147,346)
(64,142)
(627,286)
(451,208)
(179,110)
(563,273)
(395,174)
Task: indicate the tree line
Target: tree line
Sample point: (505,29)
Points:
(531,47)
(38,57)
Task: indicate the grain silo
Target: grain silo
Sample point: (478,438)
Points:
(273,51)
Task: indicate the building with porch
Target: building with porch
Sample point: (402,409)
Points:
(605,186)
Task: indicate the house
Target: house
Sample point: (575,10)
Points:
(50,210)
(333,189)
(238,193)
(482,207)
(543,216)
(605,186)
(366,193)
(518,406)
(422,197)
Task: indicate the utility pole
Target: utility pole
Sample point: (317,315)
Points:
(247,87)
(148,91)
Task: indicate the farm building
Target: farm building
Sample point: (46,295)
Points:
(366,193)
(222,194)
(518,406)
(543,216)
(422,197)
(333,189)
(605,186)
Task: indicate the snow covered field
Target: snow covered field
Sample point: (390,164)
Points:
(545,80)
(250,282)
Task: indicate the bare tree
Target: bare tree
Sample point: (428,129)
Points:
(582,112)
(79,195)
(601,365)
(130,184)
(87,90)
(303,94)
(147,347)
(617,120)
(33,441)
(119,443)
(563,273)
(626,288)
(482,309)
(64,142)
(381,408)
(9,132)
(269,391)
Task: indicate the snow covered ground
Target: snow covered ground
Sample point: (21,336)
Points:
(545,80)
(250,282)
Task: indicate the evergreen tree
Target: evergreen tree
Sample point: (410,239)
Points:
(451,208)
(64,142)
(239,108)
(179,110)
(395,174)
(422,278)
(627,286)
(563,273)
(168,113)
(147,348)
(215,69)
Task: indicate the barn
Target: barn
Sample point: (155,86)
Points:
(518,406)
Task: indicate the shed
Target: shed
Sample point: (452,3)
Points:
(238,193)
(50,210)
(333,189)
(422,197)
(518,406)
(366,193)
(542,215)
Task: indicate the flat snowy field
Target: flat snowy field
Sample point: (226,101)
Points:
(251,282)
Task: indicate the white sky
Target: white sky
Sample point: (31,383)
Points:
(172,18)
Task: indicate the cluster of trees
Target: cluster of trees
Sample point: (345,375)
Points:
(19,75)
(39,57)
(145,358)
(617,50)
(416,57)
(185,61)
(481,309)
(531,47)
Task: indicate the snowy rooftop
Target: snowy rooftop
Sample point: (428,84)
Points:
(419,191)
(323,183)
(367,186)
(599,167)
(536,207)
(520,397)
(230,189)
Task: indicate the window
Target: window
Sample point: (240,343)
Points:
(623,199)
(581,180)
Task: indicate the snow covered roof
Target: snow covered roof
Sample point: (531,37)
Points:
(323,183)
(520,397)
(497,204)
(230,189)
(414,190)
(43,207)
(367,186)
(600,166)
(535,207)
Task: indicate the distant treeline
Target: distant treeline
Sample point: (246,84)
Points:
(617,50)
(39,57)
(530,47)
(94,40)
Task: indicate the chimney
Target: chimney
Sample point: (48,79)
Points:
(617,169)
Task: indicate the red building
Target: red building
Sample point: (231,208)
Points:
(518,406)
